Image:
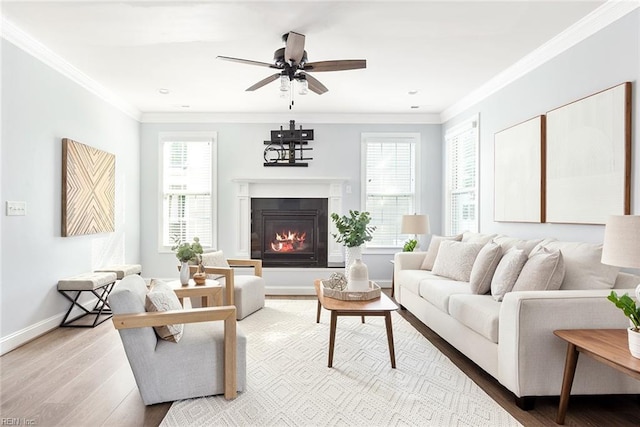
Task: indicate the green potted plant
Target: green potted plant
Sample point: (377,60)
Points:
(632,311)
(353,231)
(409,245)
(186,252)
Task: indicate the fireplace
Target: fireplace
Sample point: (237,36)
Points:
(289,232)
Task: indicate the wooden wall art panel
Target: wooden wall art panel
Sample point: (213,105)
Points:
(589,158)
(88,189)
(519,172)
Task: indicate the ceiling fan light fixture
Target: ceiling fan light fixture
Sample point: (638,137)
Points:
(284,83)
(304,87)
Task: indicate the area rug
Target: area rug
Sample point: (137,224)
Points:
(289,383)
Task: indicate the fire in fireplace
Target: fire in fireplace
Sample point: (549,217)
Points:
(289,231)
(289,241)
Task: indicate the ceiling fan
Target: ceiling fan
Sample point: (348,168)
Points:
(292,61)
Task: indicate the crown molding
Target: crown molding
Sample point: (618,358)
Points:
(601,17)
(24,41)
(346,118)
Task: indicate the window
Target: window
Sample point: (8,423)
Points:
(390,184)
(462,177)
(187,175)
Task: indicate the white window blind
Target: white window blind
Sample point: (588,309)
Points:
(389,184)
(187,196)
(462,178)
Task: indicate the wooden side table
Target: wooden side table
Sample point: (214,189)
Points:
(608,346)
(210,292)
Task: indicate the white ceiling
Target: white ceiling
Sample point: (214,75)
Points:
(442,49)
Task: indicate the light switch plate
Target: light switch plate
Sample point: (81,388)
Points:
(16,208)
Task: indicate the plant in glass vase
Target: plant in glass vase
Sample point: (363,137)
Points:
(186,252)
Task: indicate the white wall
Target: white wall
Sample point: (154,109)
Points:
(606,59)
(39,108)
(336,153)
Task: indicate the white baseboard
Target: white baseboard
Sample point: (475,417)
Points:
(25,335)
(307,290)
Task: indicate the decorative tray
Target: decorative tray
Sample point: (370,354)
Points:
(347,295)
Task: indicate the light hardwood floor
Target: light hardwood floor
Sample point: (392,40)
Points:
(81,377)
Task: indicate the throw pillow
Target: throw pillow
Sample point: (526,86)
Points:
(471,237)
(543,271)
(583,268)
(507,272)
(432,252)
(512,242)
(214,259)
(455,259)
(162,298)
(484,268)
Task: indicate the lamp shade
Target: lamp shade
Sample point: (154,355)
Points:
(622,241)
(415,224)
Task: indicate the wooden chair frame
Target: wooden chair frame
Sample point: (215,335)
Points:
(228,273)
(195,315)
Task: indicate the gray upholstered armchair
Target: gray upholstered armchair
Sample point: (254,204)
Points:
(208,359)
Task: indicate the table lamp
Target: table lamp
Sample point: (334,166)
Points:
(621,245)
(414,224)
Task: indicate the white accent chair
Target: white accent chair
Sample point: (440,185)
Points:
(245,291)
(209,359)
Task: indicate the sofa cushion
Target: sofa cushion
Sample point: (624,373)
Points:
(410,279)
(479,313)
(471,237)
(214,259)
(438,291)
(583,269)
(432,251)
(484,268)
(512,242)
(543,271)
(161,298)
(455,259)
(507,272)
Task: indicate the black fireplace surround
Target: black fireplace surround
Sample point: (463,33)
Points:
(289,232)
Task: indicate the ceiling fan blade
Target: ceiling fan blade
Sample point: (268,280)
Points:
(263,82)
(340,65)
(246,61)
(294,49)
(315,85)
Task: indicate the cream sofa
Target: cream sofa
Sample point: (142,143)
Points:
(513,339)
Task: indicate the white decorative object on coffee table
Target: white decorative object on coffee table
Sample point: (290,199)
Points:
(358,276)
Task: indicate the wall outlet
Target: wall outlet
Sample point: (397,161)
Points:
(16,208)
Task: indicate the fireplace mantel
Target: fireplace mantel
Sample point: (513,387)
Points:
(330,188)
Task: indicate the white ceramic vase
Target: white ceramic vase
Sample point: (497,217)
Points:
(184,274)
(350,255)
(358,279)
(634,342)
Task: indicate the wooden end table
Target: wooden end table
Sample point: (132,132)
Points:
(210,292)
(382,306)
(608,346)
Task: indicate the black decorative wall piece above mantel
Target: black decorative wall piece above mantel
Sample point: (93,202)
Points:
(287,147)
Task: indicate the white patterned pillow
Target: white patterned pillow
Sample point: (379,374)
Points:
(484,268)
(455,259)
(214,259)
(507,272)
(432,252)
(543,271)
(161,298)
(583,266)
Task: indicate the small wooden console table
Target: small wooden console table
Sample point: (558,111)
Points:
(382,306)
(608,346)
